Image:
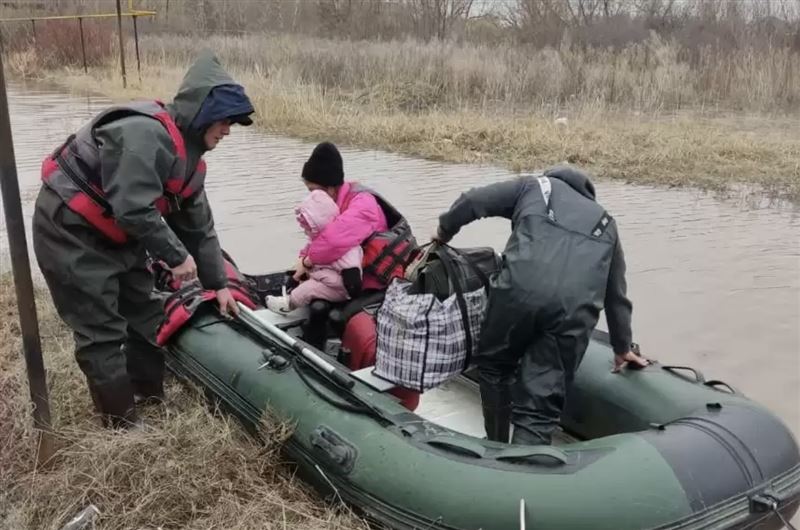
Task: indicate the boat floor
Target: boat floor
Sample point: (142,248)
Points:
(455,404)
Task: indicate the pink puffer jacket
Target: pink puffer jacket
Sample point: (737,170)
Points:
(315,214)
(362,218)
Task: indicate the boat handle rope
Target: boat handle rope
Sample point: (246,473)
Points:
(521,453)
(766,502)
(786,523)
(361,408)
(458,445)
(700,378)
(715,383)
(674,369)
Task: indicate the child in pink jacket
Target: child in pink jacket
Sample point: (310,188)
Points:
(324,282)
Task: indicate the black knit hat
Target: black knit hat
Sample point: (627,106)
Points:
(324,166)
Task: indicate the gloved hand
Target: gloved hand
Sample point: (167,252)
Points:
(440,237)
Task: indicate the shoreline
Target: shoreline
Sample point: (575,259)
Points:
(745,156)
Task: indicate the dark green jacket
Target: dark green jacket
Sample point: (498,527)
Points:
(135,150)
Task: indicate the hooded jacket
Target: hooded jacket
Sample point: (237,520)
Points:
(316,212)
(135,151)
(360,217)
(563,262)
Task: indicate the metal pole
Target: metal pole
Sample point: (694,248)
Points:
(21,268)
(121,47)
(33,28)
(167,10)
(136,40)
(83,46)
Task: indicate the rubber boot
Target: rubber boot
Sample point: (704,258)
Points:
(315,331)
(148,395)
(496,405)
(145,365)
(114,401)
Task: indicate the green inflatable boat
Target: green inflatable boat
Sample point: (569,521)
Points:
(659,447)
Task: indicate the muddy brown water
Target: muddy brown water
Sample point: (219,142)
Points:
(715,281)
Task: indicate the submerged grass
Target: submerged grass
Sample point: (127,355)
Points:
(190,468)
(641,115)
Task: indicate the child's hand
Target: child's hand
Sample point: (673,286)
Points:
(300,270)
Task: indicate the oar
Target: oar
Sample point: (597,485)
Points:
(248,317)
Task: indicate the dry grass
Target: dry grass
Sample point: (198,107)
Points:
(643,114)
(411,76)
(190,468)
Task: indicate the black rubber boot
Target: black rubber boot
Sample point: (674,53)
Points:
(496,405)
(114,401)
(145,365)
(315,331)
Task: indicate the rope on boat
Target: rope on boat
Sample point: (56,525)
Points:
(361,408)
(331,484)
(786,523)
(434,523)
(349,407)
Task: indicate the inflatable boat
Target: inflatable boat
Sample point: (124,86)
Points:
(660,447)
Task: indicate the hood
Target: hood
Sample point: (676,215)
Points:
(575,178)
(205,74)
(315,212)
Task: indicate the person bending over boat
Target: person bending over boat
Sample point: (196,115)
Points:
(324,282)
(366,220)
(127,184)
(561,266)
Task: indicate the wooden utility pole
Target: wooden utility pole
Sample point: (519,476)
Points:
(23,283)
(121,47)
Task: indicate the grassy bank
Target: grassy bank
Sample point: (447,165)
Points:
(190,468)
(643,114)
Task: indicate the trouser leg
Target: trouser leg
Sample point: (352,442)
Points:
(495,386)
(496,360)
(82,272)
(144,313)
(546,371)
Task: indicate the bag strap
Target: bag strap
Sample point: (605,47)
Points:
(80,183)
(412,270)
(546,188)
(449,268)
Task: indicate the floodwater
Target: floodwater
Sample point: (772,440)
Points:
(715,282)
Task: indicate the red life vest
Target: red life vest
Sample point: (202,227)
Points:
(360,338)
(182,304)
(386,254)
(73,170)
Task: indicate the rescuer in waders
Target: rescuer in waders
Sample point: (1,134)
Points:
(127,184)
(561,266)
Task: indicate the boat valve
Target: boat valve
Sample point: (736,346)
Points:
(274,361)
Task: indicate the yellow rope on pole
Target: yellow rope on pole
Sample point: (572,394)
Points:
(135,13)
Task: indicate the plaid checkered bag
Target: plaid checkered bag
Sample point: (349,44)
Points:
(424,341)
